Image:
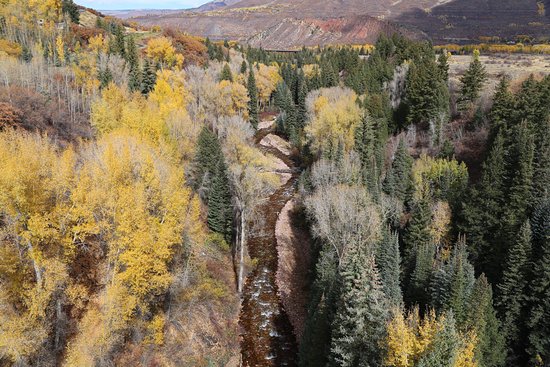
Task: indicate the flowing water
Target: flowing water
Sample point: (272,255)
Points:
(267,336)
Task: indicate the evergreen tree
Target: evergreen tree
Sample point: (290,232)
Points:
(443,351)
(419,287)
(105,77)
(226,73)
(244,67)
(472,82)
(538,320)
(481,318)
(253,103)
(220,211)
(118,44)
(513,294)
(388,261)
(206,161)
(362,313)
(461,282)
(399,180)
(69,7)
(427,95)
(132,57)
(443,65)
(417,234)
(26,54)
(367,147)
(482,214)
(148,78)
(329,77)
(541,175)
(503,107)
(520,172)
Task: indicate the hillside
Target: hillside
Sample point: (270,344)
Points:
(285,24)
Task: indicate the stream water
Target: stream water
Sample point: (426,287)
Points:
(267,335)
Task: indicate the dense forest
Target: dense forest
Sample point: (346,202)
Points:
(131,177)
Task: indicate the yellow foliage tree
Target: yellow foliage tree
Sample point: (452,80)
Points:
(466,354)
(162,51)
(333,117)
(267,78)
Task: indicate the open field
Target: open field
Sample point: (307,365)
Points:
(516,66)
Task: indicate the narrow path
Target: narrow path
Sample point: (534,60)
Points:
(267,335)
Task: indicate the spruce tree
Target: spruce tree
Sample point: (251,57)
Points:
(483,212)
(443,65)
(253,102)
(462,279)
(148,78)
(388,260)
(69,7)
(444,348)
(481,318)
(207,157)
(399,180)
(513,293)
(361,316)
(541,175)
(244,67)
(220,211)
(119,43)
(226,73)
(538,321)
(417,234)
(520,172)
(472,82)
(132,58)
(419,287)
(503,107)
(105,77)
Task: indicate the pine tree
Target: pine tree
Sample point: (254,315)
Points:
(541,175)
(329,77)
(490,349)
(513,293)
(503,107)
(417,234)
(69,7)
(244,67)
(472,82)
(132,58)
(427,95)
(148,78)
(105,77)
(226,73)
(220,211)
(520,172)
(119,43)
(462,279)
(26,54)
(399,180)
(207,157)
(361,315)
(538,320)
(253,103)
(482,214)
(367,146)
(388,260)
(419,288)
(443,351)
(443,65)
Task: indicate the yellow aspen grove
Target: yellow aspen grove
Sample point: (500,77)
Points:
(162,51)
(400,341)
(466,355)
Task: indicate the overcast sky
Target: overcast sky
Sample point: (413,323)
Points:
(140,4)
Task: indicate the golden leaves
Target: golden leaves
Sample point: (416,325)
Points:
(334,116)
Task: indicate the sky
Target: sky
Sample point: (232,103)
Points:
(140,4)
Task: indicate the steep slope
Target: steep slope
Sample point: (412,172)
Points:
(286,24)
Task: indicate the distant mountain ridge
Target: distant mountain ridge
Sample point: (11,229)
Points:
(287,24)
